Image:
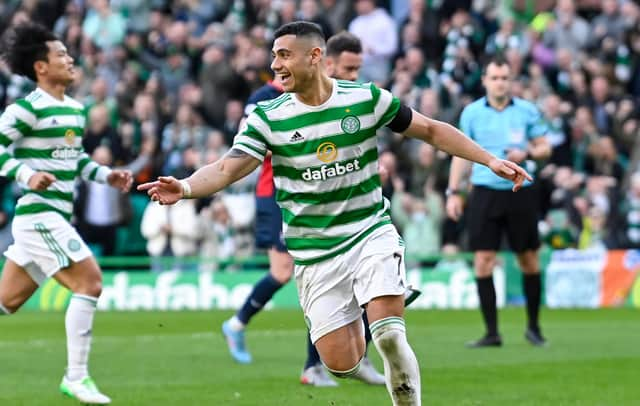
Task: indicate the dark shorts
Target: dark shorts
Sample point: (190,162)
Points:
(269,224)
(492,213)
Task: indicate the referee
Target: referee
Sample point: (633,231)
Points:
(511,128)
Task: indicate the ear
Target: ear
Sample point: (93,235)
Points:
(40,67)
(316,55)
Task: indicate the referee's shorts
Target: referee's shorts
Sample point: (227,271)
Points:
(492,212)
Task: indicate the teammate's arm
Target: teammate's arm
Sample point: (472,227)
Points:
(90,170)
(209,179)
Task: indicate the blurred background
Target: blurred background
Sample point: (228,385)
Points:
(164,84)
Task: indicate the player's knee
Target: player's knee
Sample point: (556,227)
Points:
(92,287)
(7,307)
(95,288)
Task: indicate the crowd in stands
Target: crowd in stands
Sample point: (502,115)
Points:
(165,82)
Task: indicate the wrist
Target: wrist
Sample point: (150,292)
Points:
(452,192)
(186,189)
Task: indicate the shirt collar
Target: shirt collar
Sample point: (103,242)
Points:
(486,102)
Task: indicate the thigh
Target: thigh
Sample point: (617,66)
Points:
(82,277)
(16,286)
(326,296)
(522,221)
(341,349)
(484,220)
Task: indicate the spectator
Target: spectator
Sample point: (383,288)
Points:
(379,35)
(103,26)
(218,243)
(568,29)
(171,231)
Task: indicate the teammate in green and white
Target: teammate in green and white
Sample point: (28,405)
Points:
(347,254)
(45,129)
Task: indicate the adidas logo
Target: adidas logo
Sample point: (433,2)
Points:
(54,122)
(296,137)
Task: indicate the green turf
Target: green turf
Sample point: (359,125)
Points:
(181,359)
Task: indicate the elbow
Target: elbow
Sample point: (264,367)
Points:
(422,128)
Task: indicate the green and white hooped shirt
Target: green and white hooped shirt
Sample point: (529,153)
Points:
(42,133)
(325,166)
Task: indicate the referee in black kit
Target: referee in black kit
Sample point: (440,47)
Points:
(511,128)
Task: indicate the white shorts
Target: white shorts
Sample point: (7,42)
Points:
(332,292)
(44,243)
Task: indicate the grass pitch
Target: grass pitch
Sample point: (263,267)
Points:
(165,358)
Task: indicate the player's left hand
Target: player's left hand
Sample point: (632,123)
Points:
(511,171)
(120,179)
(166,190)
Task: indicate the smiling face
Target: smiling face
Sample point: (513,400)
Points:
(58,68)
(295,61)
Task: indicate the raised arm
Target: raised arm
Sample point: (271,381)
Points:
(449,139)
(211,178)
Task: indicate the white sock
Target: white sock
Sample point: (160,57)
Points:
(4,311)
(401,369)
(235,324)
(78,323)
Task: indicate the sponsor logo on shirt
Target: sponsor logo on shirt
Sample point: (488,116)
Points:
(327,152)
(65,153)
(331,171)
(70,137)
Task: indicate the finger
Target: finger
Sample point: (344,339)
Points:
(166,179)
(507,170)
(526,175)
(147,186)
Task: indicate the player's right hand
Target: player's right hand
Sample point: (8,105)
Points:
(454,206)
(41,180)
(165,190)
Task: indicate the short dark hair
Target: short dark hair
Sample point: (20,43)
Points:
(343,42)
(25,44)
(498,60)
(300,29)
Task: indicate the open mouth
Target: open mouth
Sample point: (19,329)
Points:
(284,77)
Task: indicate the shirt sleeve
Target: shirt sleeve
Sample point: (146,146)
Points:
(253,134)
(536,125)
(16,122)
(90,170)
(385,106)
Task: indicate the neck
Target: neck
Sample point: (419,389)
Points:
(499,103)
(55,90)
(318,91)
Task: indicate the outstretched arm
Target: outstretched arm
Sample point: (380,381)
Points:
(209,179)
(449,139)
